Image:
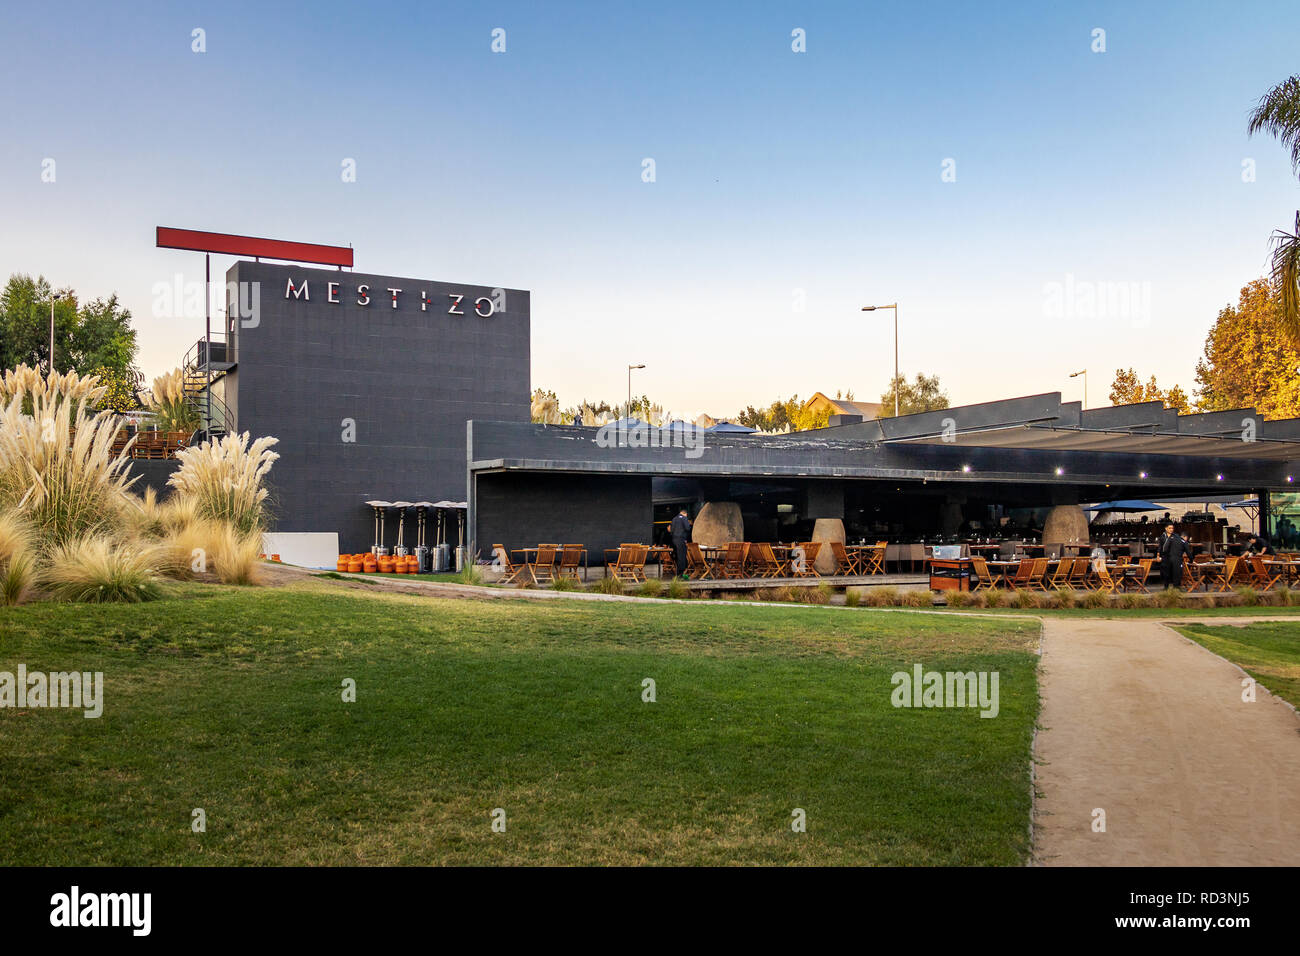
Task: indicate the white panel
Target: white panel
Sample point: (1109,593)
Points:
(306,549)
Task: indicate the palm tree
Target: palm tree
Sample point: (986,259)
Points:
(1278,113)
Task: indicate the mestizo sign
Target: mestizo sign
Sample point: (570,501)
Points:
(484,306)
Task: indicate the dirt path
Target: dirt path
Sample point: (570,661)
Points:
(1150,727)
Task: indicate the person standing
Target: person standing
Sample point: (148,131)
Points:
(681,531)
(1173,547)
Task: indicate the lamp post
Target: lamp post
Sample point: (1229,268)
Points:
(629,388)
(1084,373)
(873,308)
(53,295)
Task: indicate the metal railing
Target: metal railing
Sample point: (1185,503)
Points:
(215,417)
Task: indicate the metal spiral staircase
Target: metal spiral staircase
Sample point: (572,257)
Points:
(200,372)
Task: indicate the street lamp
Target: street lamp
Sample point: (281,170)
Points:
(629,388)
(873,308)
(1084,373)
(53,295)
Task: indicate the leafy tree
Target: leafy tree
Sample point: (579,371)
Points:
(780,416)
(922,395)
(1249,359)
(1278,113)
(121,390)
(1128,389)
(96,335)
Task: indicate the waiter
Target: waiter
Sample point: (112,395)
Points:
(681,530)
(1173,547)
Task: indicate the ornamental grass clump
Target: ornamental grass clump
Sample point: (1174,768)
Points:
(236,557)
(224,478)
(17,566)
(169,405)
(97,571)
(57,466)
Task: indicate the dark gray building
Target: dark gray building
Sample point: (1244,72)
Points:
(368,382)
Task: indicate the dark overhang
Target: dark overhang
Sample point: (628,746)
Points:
(1044,423)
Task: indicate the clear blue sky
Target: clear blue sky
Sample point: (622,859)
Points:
(776,171)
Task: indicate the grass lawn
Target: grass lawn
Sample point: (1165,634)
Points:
(1158,613)
(1268,652)
(229,699)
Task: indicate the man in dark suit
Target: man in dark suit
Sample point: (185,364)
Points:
(1172,549)
(681,531)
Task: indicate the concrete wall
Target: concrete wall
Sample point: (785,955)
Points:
(408,378)
(521,510)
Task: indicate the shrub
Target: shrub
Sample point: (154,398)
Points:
(993,597)
(1096,599)
(469,574)
(650,587)
(1024,599)
(852,597)
(677,589)
(93,570)
(564,583)
(225,479)
(1067,597)
(609,585)
(1249,597)
(916,597)
(1169,597)
(961,599)
(883,596)
(821,594)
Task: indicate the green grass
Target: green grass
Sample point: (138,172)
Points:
(1158,613)
(1268,652)
(230,700)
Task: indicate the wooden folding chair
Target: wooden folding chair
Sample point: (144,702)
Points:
(847,561)
(1138,579)
(697,566)
(1102,580)
(985,580)
(510,570)
(630,566)
(1022,576)
(1036,575)
(803,559)
(1078,579)
(1061,576)
(733,563)
(570,561)
(763,560)
(1261,576)
(543,565)
(874,558)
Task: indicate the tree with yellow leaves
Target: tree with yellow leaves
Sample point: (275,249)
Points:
(1250,360)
